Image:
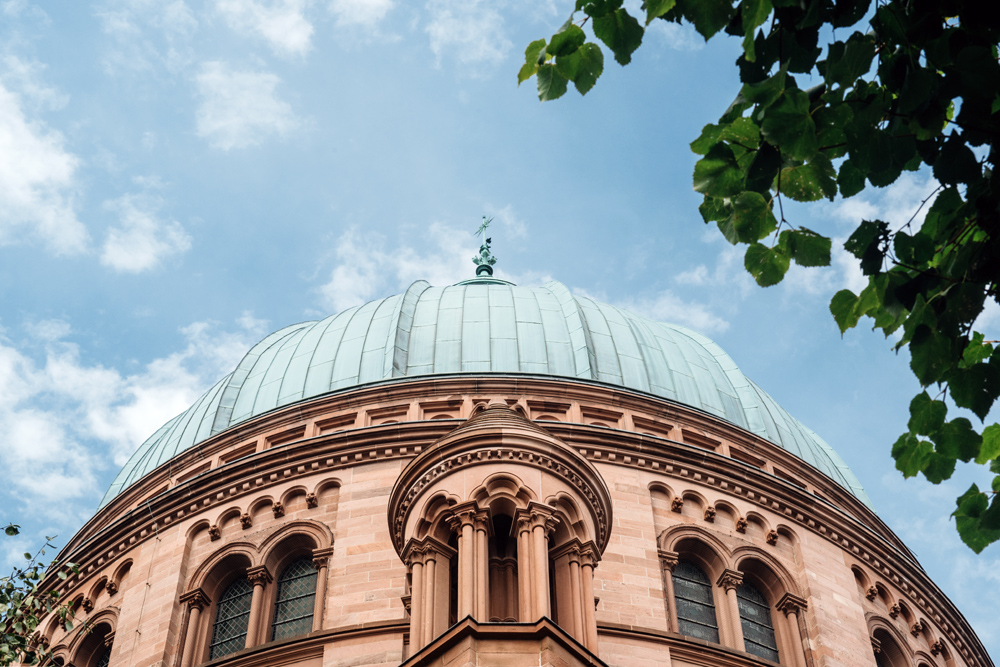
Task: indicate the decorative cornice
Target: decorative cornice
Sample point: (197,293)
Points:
(195,598)
(730,579)
(259,576)
(791,604)
(668,559)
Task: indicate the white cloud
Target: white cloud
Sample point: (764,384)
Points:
(141,240)
(26,78)
(469,30)
(666,306)
(63,420)
(145,34)
(728,272)
(37,182)
(239,108)
(281,23)
(365,13)
(677,36)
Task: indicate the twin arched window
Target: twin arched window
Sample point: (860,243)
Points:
(293,608)
(696,616)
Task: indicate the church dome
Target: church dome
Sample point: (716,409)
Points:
(484,326)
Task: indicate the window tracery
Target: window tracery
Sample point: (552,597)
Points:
(232,617)
(756,622)
(295,599)
(694,602)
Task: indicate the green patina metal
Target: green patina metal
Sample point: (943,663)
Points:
(485,260)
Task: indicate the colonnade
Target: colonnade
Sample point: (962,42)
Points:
(500,588)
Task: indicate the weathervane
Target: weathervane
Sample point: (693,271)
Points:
(485,260)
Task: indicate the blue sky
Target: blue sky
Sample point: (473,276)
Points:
(180,177)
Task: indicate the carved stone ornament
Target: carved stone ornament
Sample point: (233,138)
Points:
(195,599)
(791,604)
(876,646)
(741,525)
(112,588)
(109,639)
(668,559)
(406,599)
(871,593)
(88,605)
(278,509)
(259,576)
(214,532)
(917,628)
(937,647)
(730,579)
(677,504)
(710,514)
(246,520)
(311,500)
(771,537)
(894,611)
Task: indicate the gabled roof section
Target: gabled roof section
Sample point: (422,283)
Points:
(483,327)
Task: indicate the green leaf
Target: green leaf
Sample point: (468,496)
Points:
(926,414)
(582,67)
(657,8)
(598,8)
(811,181)
(708,16)
(929,353)
(620,32)
(976,350)
(717,174)
(990,449)
(842,307)
(532,55)
(551,84)
(972,505)
(913,250)
(957,440)
(767,265)
(714,209)
(566,41)
(752,218)
(806,247)
(865,244)
(767,91)
(956,163)
(911,454)
(851,180)
(845,62)
(12,529)
(975,388)
(938,468)
(754,13)
(788,125)
(710,135)
(763,168)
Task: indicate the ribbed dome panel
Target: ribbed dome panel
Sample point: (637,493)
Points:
(481,328)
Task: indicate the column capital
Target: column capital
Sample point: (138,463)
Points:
(109,639)
(483,520)
(730,579)
(539,515)
(463,514)
(321,557)
(259,576)
(791,604)
(589,556)
(195,599)
(668,559)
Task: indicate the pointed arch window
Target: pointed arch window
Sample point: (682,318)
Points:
(229,634)
(755,619)
(295,600)
(104,659)
(695,604)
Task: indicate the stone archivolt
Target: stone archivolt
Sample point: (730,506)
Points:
(496,520)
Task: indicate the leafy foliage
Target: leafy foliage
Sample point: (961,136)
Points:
(23,605)
(918,87)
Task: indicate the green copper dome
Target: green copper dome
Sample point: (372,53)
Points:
(478,327)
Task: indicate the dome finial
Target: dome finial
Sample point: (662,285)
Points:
(485,260)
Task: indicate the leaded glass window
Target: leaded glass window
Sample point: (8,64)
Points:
(229,634)
(293,607)
(755,619)
(104,658)
(695,606)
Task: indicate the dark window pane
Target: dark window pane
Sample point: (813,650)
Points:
(755,619)
(293,607)
(229,634)
(104,658)
(695,606)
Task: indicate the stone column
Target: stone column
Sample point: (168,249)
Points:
(668,561)
(510,608)
(588,561)
(321,560)
(195,601)
(576,594)
(430,586)
(730,580)
(524,570)
(542,523)
(463,523)
(416,564)
(793,606)
(259,577)
(482,524)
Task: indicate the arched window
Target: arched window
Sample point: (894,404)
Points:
(232,616)
(755,619)
(695,605)
(296,598)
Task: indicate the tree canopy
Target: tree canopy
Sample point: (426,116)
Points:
(915,84)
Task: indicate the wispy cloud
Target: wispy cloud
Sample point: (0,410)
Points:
(239,108)
(280,23)
(680,37)
(470,31)
(37,177)
(364,13)
(142,239)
